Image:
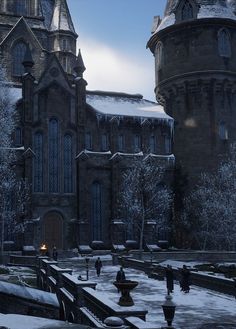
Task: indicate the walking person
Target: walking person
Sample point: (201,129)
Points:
(54,253)
(185,279)
(98,266)
(169,279)
(120,276)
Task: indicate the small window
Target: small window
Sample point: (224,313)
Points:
(187,11)
(104,142)
(121,143)
(152,144)
(223,131)
(64,44)
(18,136)
(88,141)
(18,54)
(224,43)
(64,63)
(167,145)
(159,54)
(137,143)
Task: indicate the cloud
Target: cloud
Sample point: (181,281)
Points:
(111,70)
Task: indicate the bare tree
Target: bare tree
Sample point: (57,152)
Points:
(13,191)
(144,197)
(210,210)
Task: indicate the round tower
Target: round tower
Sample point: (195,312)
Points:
(195,65)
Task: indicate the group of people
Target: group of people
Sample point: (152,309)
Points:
(184,279)
(120,276)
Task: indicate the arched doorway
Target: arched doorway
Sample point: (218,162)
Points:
(52,230)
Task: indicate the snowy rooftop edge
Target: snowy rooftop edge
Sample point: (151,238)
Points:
(119,104)
(205,11)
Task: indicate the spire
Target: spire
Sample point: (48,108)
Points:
(79,65)
(61,19)
(28,62)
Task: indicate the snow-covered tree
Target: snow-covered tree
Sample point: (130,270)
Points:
(13,191)
(144,197)
(210,210)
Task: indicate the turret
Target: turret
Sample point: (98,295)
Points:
(63,35)
(194,46)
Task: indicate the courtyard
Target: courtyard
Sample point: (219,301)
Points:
(199,307)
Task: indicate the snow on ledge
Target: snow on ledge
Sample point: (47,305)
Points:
(126,154)
(87,152)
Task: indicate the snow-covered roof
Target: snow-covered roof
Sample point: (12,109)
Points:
(29,293)
(122,104)
(207,9)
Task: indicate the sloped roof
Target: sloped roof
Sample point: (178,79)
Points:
(61,19)
(207,9)
(122,104)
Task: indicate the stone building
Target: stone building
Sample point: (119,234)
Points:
(194,48)
(73,144)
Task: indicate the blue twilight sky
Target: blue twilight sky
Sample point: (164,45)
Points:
(112,38)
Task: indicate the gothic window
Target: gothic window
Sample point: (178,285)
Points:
(152,144)
(68,181)
(224,43)
(38,162)
(159,54)
(104,142)
(64,44)
(137,143)
(64,63)
(18,136)
(187,11)
(96,211)
(167,144)
(88,141)
(121,143)
(53,144)
(18,54)
(223,131)
(21,7)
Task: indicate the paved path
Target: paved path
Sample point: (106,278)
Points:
(200,309)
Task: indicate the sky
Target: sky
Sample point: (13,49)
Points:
(112,37)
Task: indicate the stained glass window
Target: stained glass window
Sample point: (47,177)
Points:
(38,162)
(18,54)
(96,211)
(53,156)
(68,182)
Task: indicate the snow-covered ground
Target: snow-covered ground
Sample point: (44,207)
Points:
(193,309)
(197,307)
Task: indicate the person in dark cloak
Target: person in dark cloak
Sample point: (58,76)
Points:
(120,276)
(185,279)
(98,266)
(54,253)
(169,279)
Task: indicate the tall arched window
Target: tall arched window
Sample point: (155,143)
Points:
(18,54)
(38,162)
(53,144)
(223,131)
(68,182)
(121,143)
(21,7)
(104,142)
(137,143)
(159,54)
(152,144)
(167,144)
(96,211)
(224,43)
(18,136)
(187,11)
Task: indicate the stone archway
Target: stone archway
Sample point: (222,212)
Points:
(52,230)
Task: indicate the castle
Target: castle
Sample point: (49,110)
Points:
(73,144)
